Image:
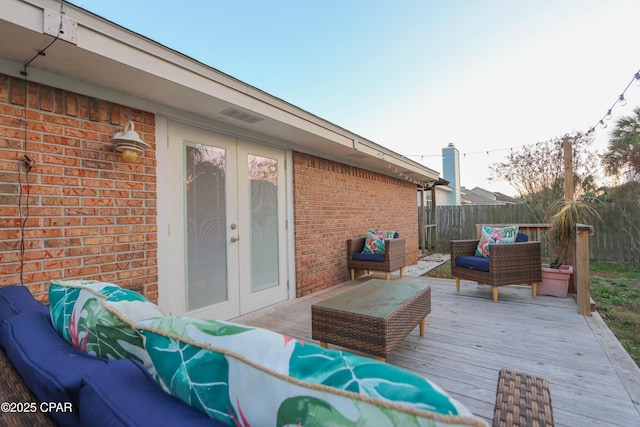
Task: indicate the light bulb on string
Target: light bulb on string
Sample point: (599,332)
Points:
(603,125)
(608,116)
(637,77)
(621,100)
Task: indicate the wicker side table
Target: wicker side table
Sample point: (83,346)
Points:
(522,400)
(372,317)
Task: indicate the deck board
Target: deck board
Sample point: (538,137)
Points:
(468,339)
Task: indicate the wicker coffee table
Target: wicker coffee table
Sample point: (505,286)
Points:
(372,317)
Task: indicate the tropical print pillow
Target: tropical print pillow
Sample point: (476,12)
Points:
(98,317)
(250,376)
(374,241)
(492,236)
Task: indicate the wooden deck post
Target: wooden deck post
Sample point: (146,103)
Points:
(581,270)
(422,239)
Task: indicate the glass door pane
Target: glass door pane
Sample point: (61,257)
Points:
(206,248)
(263,208)
(262,226)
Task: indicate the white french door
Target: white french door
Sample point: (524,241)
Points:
(229,238)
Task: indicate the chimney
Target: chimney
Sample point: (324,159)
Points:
(451,172)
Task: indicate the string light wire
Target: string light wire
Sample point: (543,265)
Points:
(25,162)
(620,100)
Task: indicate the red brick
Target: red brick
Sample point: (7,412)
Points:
(62,263)
(84,250)
(46,98)
(16,92)
(82,271)
(71,104)
(80,231)
(4,88)
(100,240)
(103,259)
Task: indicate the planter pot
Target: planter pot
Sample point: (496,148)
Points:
(555,281)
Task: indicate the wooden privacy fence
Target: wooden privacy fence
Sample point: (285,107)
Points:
(616,238)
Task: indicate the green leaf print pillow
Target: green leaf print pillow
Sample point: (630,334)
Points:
(250,376)
(98,317)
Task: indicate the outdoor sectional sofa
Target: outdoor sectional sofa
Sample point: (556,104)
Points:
(268,378)
(69,387)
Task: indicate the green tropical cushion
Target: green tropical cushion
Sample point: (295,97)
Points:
(495,236)
(374,241)
(98,317)
(250,376)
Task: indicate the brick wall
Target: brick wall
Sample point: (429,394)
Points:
(334,202)
(90,214)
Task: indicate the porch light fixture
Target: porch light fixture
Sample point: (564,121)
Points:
(129,143)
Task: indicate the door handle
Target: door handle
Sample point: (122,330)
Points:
(234,239)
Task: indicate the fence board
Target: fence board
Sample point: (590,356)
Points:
(616,237)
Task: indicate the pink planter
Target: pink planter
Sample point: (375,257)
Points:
(555,281)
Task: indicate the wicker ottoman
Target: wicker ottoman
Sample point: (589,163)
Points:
(522,400)
(372,317)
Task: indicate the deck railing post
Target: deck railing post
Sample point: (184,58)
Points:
(581,270)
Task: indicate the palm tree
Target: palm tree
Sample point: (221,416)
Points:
(623,152)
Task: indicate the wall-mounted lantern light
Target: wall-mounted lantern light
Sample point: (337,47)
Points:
(129,143)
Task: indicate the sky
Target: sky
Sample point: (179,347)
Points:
(416,75)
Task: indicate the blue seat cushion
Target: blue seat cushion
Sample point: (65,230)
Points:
(368,257)
(17,299)
(50,367)
(473,262)
(482,263)
(123,393)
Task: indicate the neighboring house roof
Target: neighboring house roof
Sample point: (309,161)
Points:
(471,198)
(97,57)
(480,196)
(481,191)
(504,198)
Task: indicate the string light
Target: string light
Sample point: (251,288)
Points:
(464,155)
(621,101)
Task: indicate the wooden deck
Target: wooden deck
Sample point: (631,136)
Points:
(468,339)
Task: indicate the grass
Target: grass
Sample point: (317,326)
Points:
(615,288)
(442,271)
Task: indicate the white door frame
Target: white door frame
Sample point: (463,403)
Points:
(170,275)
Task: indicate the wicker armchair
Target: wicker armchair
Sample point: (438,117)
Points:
(394,257)
(509,264)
